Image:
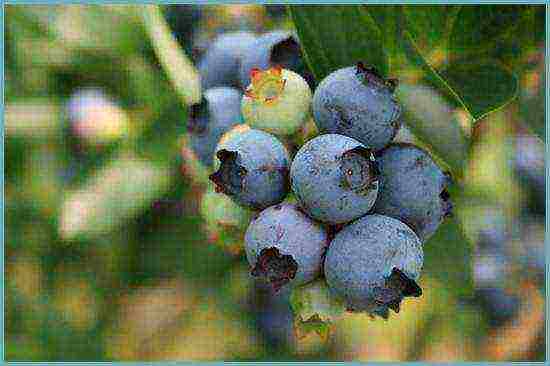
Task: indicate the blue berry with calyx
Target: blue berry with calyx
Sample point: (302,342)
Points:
(285,246)
(358,102)
(252,168)
(373,264)
(334,178)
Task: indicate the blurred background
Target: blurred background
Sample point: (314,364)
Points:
(110,250)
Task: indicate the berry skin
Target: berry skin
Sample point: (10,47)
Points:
(357,102)
(272,49)
(220,64)
(285,246)
(413,189)
(334,178)
(373,263)
(252,168)
(277,101)
(218,112)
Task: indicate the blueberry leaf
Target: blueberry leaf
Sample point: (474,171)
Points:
(314,308)
(333,37)
(484,86)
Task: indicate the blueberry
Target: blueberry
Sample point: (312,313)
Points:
(334,178)
(413,188)
(219,66)
(219,111)
(373,263)
(277,48)
(357,102)
(278,101)
(285,246)
(252,168)
(225,221)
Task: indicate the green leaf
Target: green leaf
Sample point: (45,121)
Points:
(315,308)
(494,31)
(479,86)
(333,37)
(432,119)
(430,25)
(484,86)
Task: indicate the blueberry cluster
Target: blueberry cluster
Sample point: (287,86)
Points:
(350,205)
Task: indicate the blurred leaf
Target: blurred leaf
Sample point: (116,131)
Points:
(35,119)
(182,73)
(116,193)
(432,119)
(389,20)
(333,37)
(314,308)
(448,257)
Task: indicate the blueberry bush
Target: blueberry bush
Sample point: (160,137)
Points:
(254,182)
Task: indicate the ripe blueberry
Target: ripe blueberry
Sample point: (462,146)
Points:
(272,49)
(357,102)
(219,66)
(334,178)
(285,246)
(373,263)
(252,168)
(413,189)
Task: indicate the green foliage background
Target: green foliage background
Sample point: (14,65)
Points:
(107,254)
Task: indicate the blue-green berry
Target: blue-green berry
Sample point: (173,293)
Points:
(285,246)
(277,100)
(252,168)
(334,178)
(356,102)
(373,263)
(413,189)
(217,113)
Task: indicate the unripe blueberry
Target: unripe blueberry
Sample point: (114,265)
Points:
(220,64)
(285,246)
(272,49)
(356,102)
(252,168)
(373,263)
(413,189)
(225,221)
(334,178)
(277,100)
(219,111)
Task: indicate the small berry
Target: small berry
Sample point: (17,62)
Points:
(272,49)
(220,64)
(334,178)
(357,102)
(252,168)
(225,221)
(277,101)
(413,189)
(373,263)
(218,112)
(285,246)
